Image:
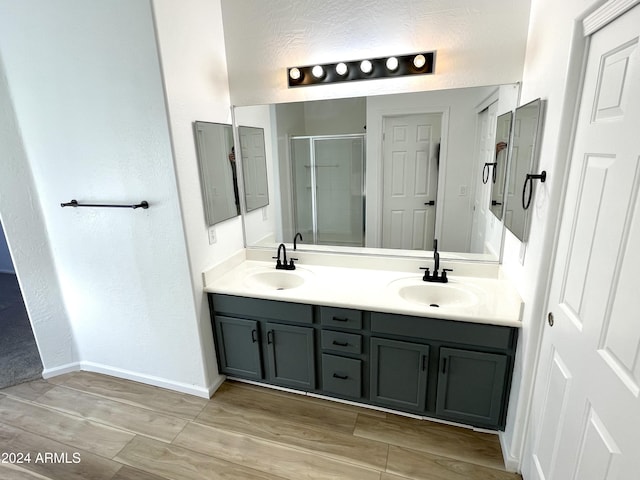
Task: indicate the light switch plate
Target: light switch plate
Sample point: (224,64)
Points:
(212,236)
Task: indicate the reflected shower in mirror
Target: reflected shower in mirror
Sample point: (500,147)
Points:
(503,131)
(418,172)
(527,126)
(218,175)
(254,167)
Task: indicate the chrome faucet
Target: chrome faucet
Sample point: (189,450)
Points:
(295,240)
(436,277)
(282,264)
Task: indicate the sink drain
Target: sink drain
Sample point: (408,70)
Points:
(434,305)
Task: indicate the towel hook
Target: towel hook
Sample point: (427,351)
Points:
(528,181)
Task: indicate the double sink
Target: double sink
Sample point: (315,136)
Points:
(411,289)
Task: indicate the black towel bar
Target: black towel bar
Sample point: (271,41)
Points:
(74,203)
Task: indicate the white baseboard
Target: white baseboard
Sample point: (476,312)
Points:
(511,463)
(134,376)
(216,385)
(61,370)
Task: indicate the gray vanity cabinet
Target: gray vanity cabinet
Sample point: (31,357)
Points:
(238,347)
(291,356)
(399,374)
(471,386)
(451,370)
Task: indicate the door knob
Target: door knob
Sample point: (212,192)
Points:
(430,203)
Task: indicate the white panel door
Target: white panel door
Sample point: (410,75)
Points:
(586,409)
(410,163)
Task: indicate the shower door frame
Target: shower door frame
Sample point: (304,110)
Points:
(313,174)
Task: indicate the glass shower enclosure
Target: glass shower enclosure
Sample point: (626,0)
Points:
(328,190)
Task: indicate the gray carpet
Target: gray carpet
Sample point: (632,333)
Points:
(19,358)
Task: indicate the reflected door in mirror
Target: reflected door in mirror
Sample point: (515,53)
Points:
(218,174)
(254,167)
(410,164)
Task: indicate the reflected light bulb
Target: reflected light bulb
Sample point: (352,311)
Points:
(317,71)
(341,69)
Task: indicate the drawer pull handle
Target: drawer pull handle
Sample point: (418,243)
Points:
(254,335)
(341,344)
(270,337)
(341,377)
(341,319)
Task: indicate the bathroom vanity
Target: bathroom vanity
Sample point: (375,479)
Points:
(373,336)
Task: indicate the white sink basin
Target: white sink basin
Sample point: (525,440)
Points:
(277,279)
(436,295)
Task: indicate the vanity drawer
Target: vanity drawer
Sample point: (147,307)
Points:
(476,334)
(263,309)
(341,318)
(342,342)
(341,375)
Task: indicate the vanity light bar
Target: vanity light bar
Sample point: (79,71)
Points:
(383,67)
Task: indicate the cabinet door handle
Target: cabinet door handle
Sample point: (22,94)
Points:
(270,337)
(341,377)
(340,319)
(254,335)
(444,365)
(341,344)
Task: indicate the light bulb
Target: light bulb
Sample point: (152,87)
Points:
(419,61)
(317,71)
(295,74)
(392,64)
(341,69)
(366,66)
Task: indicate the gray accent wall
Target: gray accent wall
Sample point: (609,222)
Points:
(6,265)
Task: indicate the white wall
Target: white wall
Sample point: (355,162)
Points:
(6,265)
(478,42)
(196,87)
(26,233)
(88,95)
(551,72)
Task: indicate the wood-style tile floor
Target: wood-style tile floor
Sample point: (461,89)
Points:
(87,426)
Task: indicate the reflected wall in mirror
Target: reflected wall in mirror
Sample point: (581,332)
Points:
(420,151)
(254,167)
(218,175)
(498,177)
(527,126)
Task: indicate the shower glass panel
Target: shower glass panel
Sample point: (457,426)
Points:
(328,173)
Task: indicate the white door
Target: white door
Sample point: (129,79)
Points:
(410,164)
(486,154)
(254,167)
(586,409)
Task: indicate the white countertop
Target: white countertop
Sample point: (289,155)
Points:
(375,290)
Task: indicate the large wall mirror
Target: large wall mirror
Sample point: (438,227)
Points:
(218,174)
(381,174)
(527,126)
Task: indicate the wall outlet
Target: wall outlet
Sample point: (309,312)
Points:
(212,236)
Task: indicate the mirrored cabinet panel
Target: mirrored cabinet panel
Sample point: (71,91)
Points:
(499,171)
(527,126)
(218,174)
(254,167)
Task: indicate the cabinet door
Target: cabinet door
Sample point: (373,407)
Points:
(471,386)
(291,356)
(399,374)
(237,341)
